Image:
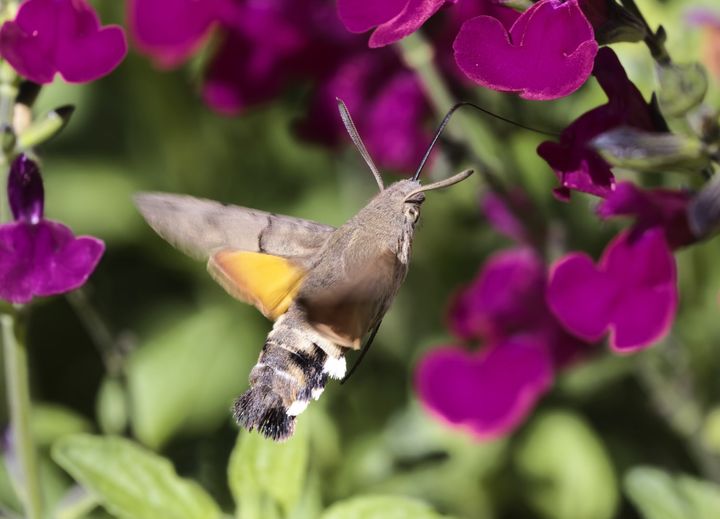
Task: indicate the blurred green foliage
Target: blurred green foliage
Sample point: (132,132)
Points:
(366,449)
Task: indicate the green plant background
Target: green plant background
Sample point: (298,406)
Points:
(366,449)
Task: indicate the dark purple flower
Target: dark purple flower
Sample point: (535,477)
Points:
(172,30)
(631,293)
(61,36)
(392,19)
(39,257)
(490,392)
(663,208)
(578,166)
(548,52)
(386,101)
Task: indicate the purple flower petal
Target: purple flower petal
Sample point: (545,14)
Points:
(664,208)
(489,393)
(632,293)
(548,53)
(61,36)
(506,297)
(393,128)
(410,19)
(502,218)
(577,165)
(44,259)
(171,30)
(394,19)
(581,297)
(25,190)
(266,47)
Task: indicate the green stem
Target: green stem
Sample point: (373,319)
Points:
(420,56)
(8,94)
(654,40)
(18,393)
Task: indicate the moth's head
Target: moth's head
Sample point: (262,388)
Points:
(405,195)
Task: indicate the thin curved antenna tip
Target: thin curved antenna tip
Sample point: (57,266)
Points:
(355,136)
(446,120)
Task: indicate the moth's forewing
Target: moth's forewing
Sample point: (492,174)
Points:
(200,227)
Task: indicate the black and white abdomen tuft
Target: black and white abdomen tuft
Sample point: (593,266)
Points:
(293,368)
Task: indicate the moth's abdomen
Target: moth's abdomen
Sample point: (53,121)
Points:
(293,368)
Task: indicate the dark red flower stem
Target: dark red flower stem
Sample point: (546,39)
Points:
(655,40)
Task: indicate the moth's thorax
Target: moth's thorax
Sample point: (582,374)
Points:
(389,219)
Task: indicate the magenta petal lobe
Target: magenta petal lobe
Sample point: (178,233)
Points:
(631,293)
(44,259)
(489,393)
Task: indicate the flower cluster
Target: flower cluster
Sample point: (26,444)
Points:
(39,257)
(531,319)
(492,390)
(544,53)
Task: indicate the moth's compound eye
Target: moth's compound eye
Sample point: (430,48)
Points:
(412,211)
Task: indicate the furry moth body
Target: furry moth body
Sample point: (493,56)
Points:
(324,287)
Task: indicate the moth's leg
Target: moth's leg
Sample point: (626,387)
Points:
(363,351)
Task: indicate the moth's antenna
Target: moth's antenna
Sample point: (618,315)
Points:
(355,136)
(446,120)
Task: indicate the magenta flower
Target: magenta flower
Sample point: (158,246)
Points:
(547,53)
(39,257)
(392,19)
(631,293)
(578,166)
(491,391)
(61,36)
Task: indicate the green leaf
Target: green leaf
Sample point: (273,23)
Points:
(659,495)
(52,422)
(184,378)
(380,507)
(573,475)
(682,87)
(130,481)
(653,493)
(260,469)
